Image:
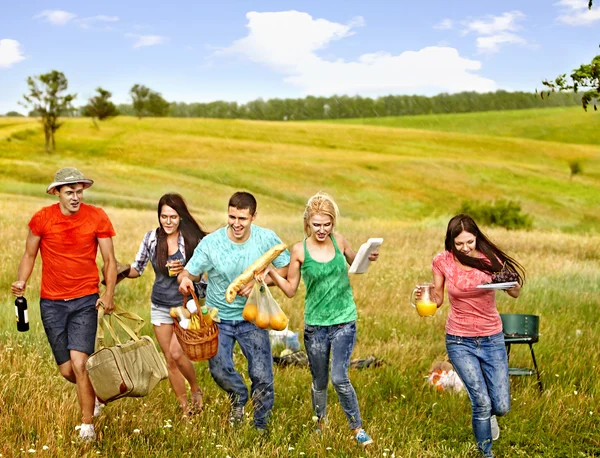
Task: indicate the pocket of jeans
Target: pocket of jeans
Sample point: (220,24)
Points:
(498,340)
(309,330)
(453,340)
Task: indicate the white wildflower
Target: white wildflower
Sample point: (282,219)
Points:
(136,431)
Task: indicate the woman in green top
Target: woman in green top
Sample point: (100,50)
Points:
(330,311)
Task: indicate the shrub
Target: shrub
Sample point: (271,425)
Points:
(501,213)
(575,167)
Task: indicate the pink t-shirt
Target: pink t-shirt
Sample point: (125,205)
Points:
(473,311)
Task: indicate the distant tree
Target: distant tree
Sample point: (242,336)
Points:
(126,109)
(99,106)
(49,102)
(140,95)
(586,77)
(147,102)
(14,114)
(157,106)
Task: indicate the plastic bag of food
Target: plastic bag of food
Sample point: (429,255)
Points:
(263,310)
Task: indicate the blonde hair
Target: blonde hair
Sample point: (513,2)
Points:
(321,204)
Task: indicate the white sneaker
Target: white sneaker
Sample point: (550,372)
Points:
(98,406)
(495,427)
(87,432)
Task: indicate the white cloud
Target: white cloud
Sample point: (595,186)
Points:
(491,43)
(288,43)
(91,21)
(147,40)
(56,17)
(576,12)
(494,31)
(445,24)
(492,25)
(103,18)
(10,53)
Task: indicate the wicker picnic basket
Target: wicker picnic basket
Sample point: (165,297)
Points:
(198,344)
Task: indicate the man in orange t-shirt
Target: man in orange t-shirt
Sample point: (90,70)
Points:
(68,235)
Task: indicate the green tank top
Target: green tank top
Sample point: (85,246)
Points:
(329,298)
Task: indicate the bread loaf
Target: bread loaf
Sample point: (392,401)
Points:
(256,267)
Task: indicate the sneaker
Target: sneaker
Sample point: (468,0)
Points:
(98,406)
(363,438)
(87,433)
(236,415)
(495,427)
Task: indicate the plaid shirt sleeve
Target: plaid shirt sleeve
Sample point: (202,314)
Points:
(144,253)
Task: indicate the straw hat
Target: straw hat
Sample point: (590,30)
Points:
(69,175)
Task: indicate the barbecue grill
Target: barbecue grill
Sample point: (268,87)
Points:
(521,329)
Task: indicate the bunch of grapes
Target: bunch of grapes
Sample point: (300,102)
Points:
(504,276)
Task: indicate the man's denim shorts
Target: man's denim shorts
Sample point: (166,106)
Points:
(70,325)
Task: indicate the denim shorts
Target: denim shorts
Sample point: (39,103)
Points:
(160,315)
(70,325)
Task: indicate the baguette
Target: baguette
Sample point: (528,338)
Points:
(256,267)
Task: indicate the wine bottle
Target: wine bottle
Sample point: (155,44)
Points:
(21,314)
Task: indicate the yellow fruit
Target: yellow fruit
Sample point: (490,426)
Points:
(250,311)
(262,320)
(279,321)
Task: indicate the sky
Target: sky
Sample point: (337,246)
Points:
(201,51)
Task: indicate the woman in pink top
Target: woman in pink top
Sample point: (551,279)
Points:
(474,338)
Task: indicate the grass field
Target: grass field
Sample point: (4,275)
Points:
(402,184)
(565,124)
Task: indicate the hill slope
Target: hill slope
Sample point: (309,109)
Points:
(567,125)
(385,173)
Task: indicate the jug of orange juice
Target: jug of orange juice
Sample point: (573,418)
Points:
(425,304)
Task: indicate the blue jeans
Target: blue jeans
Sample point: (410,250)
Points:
(482,365)
(256,347)
(337,341)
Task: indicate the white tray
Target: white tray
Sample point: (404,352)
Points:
(361,261)
(507,285)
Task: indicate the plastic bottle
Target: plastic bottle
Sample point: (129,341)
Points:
(206,316)
(21,314)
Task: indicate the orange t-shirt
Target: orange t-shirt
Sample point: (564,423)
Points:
(68,246)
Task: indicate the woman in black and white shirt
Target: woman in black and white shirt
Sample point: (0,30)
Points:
(167,248)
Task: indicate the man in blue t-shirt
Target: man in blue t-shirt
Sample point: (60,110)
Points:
(224,255)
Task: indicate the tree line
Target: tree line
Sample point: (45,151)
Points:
(49,101)
(344,106)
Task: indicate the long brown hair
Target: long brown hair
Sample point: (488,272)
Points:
(496,258)
(191,231)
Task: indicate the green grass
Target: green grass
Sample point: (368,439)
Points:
(566,125)
(390,174)
(399,184)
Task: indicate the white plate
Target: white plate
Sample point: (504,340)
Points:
(507,285)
